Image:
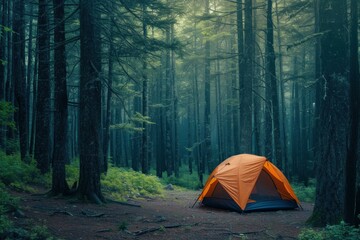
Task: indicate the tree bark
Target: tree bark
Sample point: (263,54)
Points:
(3,57)
(241,65)
(42,136)
(272,82)
(207,81)
(60,155)
(352,151)
(3,38)
(108,97)
(18,74)
(90,105)
(333,120)
(246,84)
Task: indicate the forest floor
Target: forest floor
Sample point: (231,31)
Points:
(167,217)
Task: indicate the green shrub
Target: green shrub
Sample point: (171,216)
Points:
(6,200)
(6,111)
(305,193)
(72,172)
(341,231)
(310,234)
(122,184)
(20,173)
(5,225)
(185,180)
(40,232)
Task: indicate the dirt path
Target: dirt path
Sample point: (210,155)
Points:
(170,217)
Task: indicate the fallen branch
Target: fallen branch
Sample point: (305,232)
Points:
(62,212)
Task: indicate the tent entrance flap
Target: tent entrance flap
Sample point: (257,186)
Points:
(221,199)
(264,189)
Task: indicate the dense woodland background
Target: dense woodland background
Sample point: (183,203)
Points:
(171,87)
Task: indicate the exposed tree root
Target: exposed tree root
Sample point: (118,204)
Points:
(93,197)
(123,203)
(88,214)
(62,212)
(153,229)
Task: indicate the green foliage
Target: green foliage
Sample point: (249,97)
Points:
(6,200)
(126,126)
(341,231)
(310,234)
(139,118)
(19,173)
(185,179)
(121,184)
(305,193)
(40,232)
(5,224)
(6,111)
(123,226)
(72,172)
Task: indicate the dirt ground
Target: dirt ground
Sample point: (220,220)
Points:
(168,217)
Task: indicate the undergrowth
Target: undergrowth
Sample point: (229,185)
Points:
(341,231)
(122,184)
(20,174)
(185,179)
(305,193)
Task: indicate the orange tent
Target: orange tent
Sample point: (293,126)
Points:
(248,182)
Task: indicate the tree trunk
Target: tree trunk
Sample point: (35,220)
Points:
(333,114)
(60,155)
(295,121)
(282,106)
(246,84)
(272,81)
(352,153)
(18,74)
(108,98)
(234,144)
(42,136)
(3,57)
(145,138)
(174,114)
(207,80)
(241,65)
(169,154)
(90,105)
(219,119)
(3,39)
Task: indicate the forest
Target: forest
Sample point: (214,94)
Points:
(172,88)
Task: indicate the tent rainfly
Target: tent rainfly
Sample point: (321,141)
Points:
(248,182)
